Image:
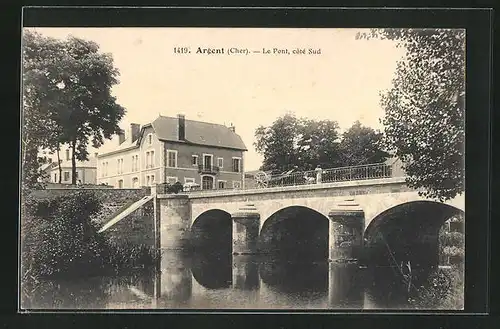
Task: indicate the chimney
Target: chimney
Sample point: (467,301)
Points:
(135,128)
(232,128)
(67,154)
(182,126)
(121,137)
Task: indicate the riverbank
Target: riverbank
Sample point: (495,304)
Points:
(59,240)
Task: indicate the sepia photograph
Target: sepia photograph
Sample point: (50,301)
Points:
(193,168)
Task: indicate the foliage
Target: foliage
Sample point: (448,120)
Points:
(67,95)
(452,243)
(443,289)
(60,239)
(304,144)
(175,188)
(278,143)
(361,145)
(129,256)
(424,109)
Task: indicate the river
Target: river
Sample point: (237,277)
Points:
(214,282)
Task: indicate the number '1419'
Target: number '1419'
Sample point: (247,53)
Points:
(181,50)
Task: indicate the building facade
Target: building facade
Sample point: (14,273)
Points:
(170,150)
(86,171)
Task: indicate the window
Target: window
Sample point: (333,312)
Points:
(135,182)
(150,139)
(135,162)
(120,166)
(152,179)
(188,180)
(104,172)
(147,180)
(55,178)
(76,175)
(150,159)
(222,184)
(194,160)
(172,180)
(236,164)
(207,161)
(236,184)
(171,158)
(207,182)
(66,176)
(120,183)
(220,162)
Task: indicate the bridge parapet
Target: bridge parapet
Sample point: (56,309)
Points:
(283,189)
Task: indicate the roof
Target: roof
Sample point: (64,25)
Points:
(198,132)
(91,163)
(47,166)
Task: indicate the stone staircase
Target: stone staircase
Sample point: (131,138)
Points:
(111,209)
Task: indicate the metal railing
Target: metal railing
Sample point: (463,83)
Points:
(371,171)
(294,178)
(341,174)
(204,169)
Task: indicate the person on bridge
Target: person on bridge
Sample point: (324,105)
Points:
(319,171)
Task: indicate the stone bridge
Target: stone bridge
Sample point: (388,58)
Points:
(341,219)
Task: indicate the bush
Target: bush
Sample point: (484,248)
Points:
(443,289)
(59,238)
(175,188)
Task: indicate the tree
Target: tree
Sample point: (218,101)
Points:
(318,144)
(70,85)
(424,109)
(361,145)
(276,143)
(37,122)
(297,142)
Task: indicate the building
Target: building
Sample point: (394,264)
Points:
(173,149)
(86,171)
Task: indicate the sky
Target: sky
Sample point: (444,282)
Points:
(342,83)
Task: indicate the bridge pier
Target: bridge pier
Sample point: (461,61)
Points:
(246,223)
(172,221)
(347,223)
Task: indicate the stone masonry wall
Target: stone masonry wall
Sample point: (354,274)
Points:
(107,195)
(135,229)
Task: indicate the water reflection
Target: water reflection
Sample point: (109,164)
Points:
(295,277)
(245,273)
(174,281)
(205,281)
(346,286)
(212,271)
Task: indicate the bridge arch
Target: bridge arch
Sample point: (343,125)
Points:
(407,232)
(211,232)
(295,231)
